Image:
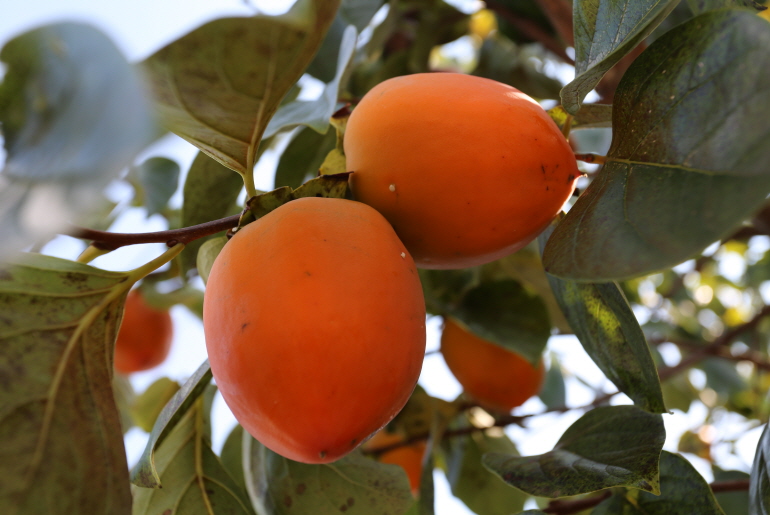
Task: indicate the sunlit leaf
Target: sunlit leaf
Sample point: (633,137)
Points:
(605,31)
(73,114)
(60,434)
(608,446)
(218,86)
(688,161)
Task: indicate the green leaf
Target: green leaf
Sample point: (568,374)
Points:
(481,490)
(327,186)
(232,455)
(124,399)
(444,289)
(151,402)
(722,377)
(504,313)
(353,484)
(210,192)
(608,446)
(60,434)
(590,116)
(303,156)
(208,254)
(73,115)
(759,489)
(610,334)
(316,113)
(194,480)
(218,86)
(553,393)
(159,178)
(734,503)
(688,161)
(605,31)
(145,473)
(700,6)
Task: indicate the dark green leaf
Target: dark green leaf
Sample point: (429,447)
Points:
(699,6)
(150,403)
(60,434)
(759,489)
(604,33)
(688,161)
(232,456)
(303,156)
(145,473)
(733,503)
(608,446)
(159,178)
(610,334)
(353,484)
(218,86)
(73,115)
(553,393)
(426,498)
(481,490)
(504,313)
(210,192)
(194,480)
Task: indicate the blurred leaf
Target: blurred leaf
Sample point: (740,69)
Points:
(610,334)
(219,85)
(669,190)
(210,192)
(722,377)
(426,498)
(73,114)
(145,473)
(504,313)
(303,156)
(194,480)
(316,113)
(208,254)
(759,489)
(481,490)
(232,455)
(733,503)
(553,393)
(60,433)
(151,402)
(527,10)
(124,399)
(604,33)
(679,393)
(279,486)
(699,6)
(593,453)
(444,289)
(590,116)
(158,179)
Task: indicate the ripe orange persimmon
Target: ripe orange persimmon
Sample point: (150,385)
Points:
(315,327)
(144,338)
(498,378)
(467,170)
(408,457)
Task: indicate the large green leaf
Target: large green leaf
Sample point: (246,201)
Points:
(146,472)
(608,446)
(73,114)
(605,31)
(688,160)
(194,479)
(610,334)
(481,490)
(353,484)
(210,192)
(218,86)
(60,437)
(303,156)
(759,489)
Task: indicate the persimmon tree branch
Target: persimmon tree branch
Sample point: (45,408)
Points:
(104,240)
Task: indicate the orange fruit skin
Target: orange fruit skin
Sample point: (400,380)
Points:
(497,378)
(315,327)
(408,457)
(468,170)
(144,338)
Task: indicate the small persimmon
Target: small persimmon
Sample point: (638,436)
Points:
(315,327)
(408,456)
(468,170)
(497,378)
(144,338)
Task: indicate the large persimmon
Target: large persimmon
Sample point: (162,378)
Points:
(315,327)
(494,376)
(144,338)
(467,170)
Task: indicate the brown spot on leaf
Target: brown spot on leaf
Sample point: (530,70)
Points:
(287,501)
(301,488)
(343,508)
(351,501)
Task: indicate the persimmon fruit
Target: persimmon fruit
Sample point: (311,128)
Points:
(468,170)
(494,376)
(144,338)
(315,327)
(408,457)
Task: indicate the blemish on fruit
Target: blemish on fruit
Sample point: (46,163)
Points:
(542,168)
(322,454)
(244,326)
(353,442)
(301,488)
(570,178)
(392,187)
(403,255)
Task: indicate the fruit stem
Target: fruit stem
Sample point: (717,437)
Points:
(91,253)
(144,270)
(591,158)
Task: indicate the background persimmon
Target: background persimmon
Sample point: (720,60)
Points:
(144,338)
(315,327)
(466,169)
(496,377)
(409,457)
